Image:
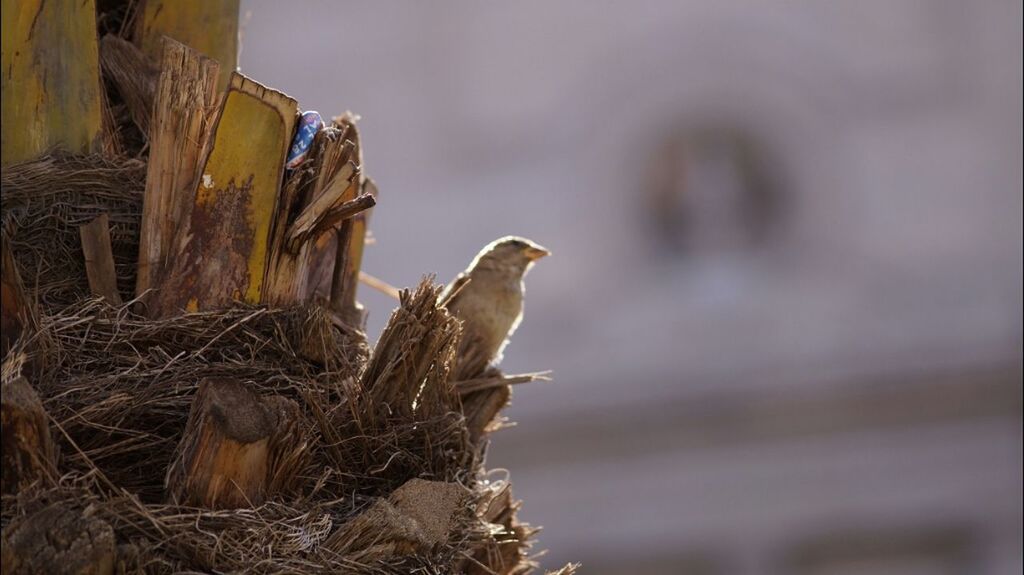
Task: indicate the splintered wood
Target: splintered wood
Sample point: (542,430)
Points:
(217,37)
(99,259)
(182,119)
(317,199)
(350,240)
(237,448)
(51,89)
(220,255)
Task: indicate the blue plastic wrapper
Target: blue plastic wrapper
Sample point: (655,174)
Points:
(309,124)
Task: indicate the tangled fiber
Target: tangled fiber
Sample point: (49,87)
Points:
(381,474)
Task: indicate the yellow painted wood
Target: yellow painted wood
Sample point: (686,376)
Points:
(50,78)
(223,254)
(209,26)
(251,134)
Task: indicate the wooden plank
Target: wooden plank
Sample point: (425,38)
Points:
(50,99)
(221,255)
(209,26)
(186,97)
(99,259)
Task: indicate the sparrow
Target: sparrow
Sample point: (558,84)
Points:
(488,299)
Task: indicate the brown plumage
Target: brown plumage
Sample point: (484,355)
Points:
(488,298)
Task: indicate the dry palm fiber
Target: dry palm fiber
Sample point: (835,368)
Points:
(118,388)
(45,201)
(371,427)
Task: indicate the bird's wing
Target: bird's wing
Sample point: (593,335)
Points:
(450,295)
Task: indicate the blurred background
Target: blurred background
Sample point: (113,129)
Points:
(784,310)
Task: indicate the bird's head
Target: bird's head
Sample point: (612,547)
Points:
(510,252)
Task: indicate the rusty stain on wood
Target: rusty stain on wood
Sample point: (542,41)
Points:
(221,253)
(50,99)
(182,120)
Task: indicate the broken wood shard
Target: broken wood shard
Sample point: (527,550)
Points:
(311,228)
(221,253)
(99,259)
(351,238)
(186,97)
(217,37)
(51,91)
(28,450)
(341,189)
(237,449)
(312,198)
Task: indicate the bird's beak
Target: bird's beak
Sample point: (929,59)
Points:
(535,252)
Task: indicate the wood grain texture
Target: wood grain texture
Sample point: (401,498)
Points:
(238,448)
(209,26)
(99,259)
(186,97)
(222,254)
(313,193)
(50,99)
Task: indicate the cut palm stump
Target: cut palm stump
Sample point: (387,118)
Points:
(235,448)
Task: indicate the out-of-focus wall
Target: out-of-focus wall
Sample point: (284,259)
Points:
(784,311)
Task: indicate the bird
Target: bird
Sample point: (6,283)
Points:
(488,299)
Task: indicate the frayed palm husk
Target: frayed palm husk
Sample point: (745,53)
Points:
(378,471)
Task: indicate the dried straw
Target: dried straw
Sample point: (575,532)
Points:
(118,389)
